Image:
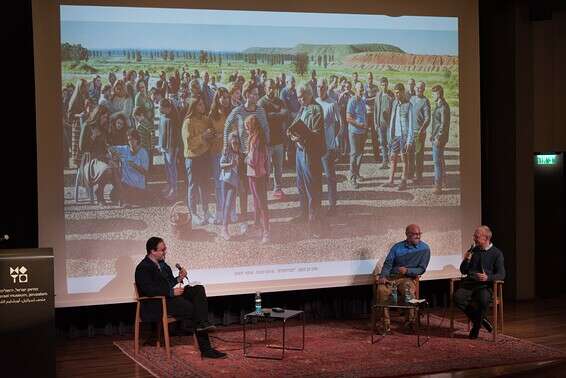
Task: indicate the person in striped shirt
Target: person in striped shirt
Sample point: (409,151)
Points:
(235,123)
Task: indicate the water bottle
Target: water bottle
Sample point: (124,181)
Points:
(408,294)
(257,302)
(394,293)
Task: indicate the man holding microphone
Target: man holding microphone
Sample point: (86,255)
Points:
(154,277)
(482,264)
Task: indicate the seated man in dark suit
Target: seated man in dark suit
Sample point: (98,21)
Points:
(154,277)
(482,264)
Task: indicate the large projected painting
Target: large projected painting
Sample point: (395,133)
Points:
(146,95)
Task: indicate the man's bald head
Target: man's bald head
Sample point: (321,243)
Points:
(482,236)
(413,232)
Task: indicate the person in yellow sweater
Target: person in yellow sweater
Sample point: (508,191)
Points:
(197,134)
(219,111)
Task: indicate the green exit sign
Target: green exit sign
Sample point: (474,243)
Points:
(547,159)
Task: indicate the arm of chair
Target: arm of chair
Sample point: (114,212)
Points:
(155,297)
(496,285)
(163,304)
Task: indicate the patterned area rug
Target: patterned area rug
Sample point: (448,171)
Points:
(340,349)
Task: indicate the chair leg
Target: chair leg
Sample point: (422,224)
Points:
(137,330)
(495,320)
(136,338)
(159,329)
(451,309)
(166,337)
(501,306)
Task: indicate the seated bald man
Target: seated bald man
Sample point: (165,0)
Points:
(482,265)
(406,260)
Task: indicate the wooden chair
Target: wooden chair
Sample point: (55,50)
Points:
(375,292)
(496,304)
(161,325)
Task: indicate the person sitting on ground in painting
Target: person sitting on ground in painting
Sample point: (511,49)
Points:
(134,164)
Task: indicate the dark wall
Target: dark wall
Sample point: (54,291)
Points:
(550,225)
(497,88)
(19,167)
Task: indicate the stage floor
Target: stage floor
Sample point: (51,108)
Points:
(540,321)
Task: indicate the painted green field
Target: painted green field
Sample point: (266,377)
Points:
(72,71)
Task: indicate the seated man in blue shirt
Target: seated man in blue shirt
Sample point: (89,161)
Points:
(134,166)
(406,260)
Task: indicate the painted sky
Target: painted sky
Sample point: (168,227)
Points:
(148,28)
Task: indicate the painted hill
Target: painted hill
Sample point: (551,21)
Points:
(400,61)
(337,51)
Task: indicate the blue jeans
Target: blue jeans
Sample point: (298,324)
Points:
(169,158)
(309,184)
(198,169)
(277,153)
(329,168)
(215,160)
(439,166)
(384,143)
(357,142)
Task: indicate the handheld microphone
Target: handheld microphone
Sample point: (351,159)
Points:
(178,266)
(469,251)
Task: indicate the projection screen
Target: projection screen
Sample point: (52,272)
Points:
(121,90)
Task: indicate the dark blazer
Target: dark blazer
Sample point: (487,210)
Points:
(153,282)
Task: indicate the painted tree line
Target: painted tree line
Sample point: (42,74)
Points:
(77,52)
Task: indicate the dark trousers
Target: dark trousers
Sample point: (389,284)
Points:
(192,306)
(410,161)
(474,301)
(198,177)
(329,168)
(357,144)
(419,156)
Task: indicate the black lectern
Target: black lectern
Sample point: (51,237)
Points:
(27,310)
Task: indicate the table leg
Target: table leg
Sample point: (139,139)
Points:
(244,329)
(418,313)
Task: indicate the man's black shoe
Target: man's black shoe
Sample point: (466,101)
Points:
(487,325)
(205,326)
(213,353)
(474,332)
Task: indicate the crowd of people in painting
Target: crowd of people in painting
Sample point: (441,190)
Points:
(231,138)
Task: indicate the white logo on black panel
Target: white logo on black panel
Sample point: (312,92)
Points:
(19,274)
